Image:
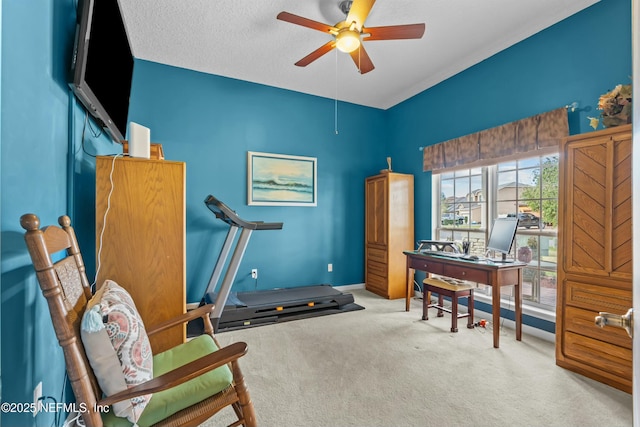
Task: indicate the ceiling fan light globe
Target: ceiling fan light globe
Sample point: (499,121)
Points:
(347,41)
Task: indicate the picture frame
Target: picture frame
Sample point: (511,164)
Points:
(281,180)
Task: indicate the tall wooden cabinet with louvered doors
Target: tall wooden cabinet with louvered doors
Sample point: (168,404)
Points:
(143,243)
(594,271)
(388,232)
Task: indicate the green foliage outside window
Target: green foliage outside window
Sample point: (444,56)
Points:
(547,181)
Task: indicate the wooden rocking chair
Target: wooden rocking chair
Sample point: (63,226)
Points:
(67,290)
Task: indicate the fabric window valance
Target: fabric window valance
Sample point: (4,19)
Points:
(536,135)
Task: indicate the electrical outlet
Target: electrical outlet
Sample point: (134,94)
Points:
(37,394)
(254,273)
(329,268)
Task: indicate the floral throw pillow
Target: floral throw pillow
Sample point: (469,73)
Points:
(117,346)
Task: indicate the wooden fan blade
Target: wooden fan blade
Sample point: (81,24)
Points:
(316,54)
(362,60)
(359,11)
(394,32)
(299,20)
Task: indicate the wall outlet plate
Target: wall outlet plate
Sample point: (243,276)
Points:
(254,273)
(37,394)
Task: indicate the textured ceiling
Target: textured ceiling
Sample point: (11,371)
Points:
(242,39)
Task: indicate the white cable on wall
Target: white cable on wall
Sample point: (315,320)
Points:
(104,220)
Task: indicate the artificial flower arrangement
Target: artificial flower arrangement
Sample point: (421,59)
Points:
(615,107)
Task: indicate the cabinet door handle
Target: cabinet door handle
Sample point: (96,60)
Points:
(624,321)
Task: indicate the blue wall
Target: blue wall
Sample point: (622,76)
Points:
(211,122)
(577,60)
(0,201)
(36,46)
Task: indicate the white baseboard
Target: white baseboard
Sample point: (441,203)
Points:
(350,287)
(530,330)
(192,305)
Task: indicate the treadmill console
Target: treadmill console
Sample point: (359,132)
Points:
(223,212)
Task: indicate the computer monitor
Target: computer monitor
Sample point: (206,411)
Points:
(503,233)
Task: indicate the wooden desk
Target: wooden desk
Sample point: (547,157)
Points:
(495,275)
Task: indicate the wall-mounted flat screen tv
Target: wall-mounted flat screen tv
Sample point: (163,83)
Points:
(102,65)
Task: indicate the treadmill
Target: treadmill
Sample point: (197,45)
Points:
(235,310)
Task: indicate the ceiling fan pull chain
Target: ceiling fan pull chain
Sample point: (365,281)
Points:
(335,113)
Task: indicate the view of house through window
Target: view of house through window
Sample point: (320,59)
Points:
(527,188)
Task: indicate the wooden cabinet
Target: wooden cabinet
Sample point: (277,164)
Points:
(143,244)
(595,238)
(388,231)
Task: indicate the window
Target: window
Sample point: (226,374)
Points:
(462,207)
(526,188)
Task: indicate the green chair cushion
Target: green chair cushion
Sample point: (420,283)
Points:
(166,403)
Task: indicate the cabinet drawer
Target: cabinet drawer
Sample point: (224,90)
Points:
(424,264)
(611,360)
(597,297)
(377,254)
(377,268)
(376,282)
(463,273)
(582,322)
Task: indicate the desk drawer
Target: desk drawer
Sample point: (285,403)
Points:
(464,273)
(424,264)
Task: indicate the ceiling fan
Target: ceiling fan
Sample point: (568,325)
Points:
(350,33)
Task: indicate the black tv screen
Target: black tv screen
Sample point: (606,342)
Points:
(102,66)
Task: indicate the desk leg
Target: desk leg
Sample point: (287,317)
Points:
(409,283)
(495,303)
(518,292)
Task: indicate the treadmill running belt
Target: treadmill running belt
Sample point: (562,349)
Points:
(247,309)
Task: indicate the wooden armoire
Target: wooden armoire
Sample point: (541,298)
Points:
(595,269)
(389,231)
(143,245)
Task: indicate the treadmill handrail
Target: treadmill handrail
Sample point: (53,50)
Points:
(224,213)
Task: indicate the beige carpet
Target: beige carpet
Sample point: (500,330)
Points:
(385,367)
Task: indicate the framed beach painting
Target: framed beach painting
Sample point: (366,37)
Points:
(281,180)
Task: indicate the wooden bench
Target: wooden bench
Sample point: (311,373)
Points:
(453,290)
